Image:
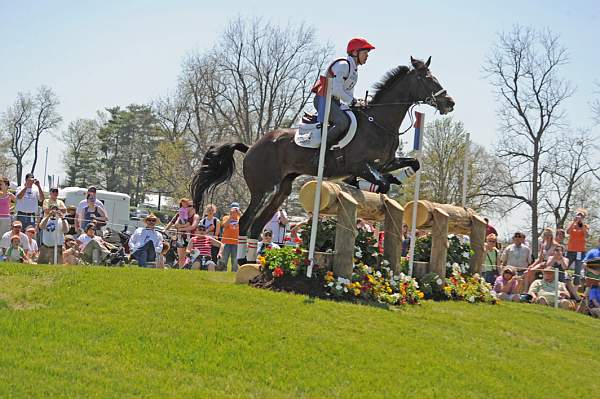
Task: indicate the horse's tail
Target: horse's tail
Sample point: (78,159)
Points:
(217,167)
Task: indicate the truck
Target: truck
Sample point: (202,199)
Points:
(115,204)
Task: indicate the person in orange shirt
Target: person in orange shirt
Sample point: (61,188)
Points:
(230,232)
(578,231)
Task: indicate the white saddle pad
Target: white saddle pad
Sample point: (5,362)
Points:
(308,135)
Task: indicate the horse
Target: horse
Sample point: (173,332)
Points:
(272,163)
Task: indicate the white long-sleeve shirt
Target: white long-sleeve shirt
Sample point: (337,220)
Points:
(345,76)
(142,235)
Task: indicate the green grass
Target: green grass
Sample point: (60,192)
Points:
(127,332)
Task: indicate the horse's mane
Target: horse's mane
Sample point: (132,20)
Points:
(388,81)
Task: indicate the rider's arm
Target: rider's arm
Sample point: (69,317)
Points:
(340,71)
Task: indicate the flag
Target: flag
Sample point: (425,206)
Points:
(418,131)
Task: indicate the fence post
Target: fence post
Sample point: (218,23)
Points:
(345,235)
(439,242)
(392,241)
(556,297)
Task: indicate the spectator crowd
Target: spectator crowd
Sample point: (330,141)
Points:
(43,230)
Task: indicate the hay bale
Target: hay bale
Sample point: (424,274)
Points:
(246,273)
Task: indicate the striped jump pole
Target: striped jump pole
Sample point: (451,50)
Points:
(417,147)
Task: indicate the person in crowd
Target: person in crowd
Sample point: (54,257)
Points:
(199,250)
(212,225)
(266,242)
(184,230)
(543,291)
(560,237)
(594,301)
(54,227)
(79,211)
(278,225)
(29,198)
(229,237)
(92,213)
(15,230)
(491,261)
(6,197)
(93,248)
(558,261)
(591,262)
(71,253)
(146,243)
(516,254)
(53,200)
(362,224)
(507,285)
(70,217)
(489,229)
(33,250)
(545,249)
(16,253)
(405,239)
(578,233)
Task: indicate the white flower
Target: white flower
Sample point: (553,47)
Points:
(385,262)
(415,283)
(338,287)
(466,255)
(377,273)
(439,281)
(345,289)
(396,278)
(471,299)
(330,284)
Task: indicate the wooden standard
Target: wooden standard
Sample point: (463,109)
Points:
(443,219)
(348,203)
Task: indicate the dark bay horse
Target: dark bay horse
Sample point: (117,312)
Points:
(274,161)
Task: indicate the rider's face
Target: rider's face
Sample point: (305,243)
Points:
(362,57)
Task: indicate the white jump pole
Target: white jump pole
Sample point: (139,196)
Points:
(321,167)
(417,146)
(466,170)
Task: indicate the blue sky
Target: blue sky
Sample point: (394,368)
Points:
(100,54)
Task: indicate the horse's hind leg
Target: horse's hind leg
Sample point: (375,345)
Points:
(258,199)
(283,191)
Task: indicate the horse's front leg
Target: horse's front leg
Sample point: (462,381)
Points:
(371,174)
(396,164)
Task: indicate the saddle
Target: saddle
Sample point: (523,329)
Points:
(308,134)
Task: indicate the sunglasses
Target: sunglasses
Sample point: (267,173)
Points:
(518,236)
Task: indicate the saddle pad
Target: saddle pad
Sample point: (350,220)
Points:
(308,135)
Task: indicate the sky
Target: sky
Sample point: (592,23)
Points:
(101,54)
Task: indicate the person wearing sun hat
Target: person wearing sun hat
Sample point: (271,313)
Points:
(16,230)
(543,291)
(146,243)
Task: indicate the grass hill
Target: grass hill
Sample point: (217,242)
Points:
(128,332)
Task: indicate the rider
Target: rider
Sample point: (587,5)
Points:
(344,72)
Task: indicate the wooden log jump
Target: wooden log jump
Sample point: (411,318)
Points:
(348,203)
(442,219)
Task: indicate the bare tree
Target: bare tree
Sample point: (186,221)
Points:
(523,68)
(45,118)
(15,123)
(173,116)
(25,121)
(263,75)
(572,166)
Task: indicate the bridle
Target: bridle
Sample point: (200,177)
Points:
(431,100)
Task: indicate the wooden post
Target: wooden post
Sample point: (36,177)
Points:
(345,235)
(392,226)
(478,227)
(439,242)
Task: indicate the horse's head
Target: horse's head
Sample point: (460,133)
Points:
(427,88)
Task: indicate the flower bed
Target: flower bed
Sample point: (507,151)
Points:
(284,269)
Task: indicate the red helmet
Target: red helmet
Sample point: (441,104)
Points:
(358,43)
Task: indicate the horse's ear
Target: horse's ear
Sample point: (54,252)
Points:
(428,62)
(414,62)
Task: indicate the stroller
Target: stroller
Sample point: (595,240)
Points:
(119,252)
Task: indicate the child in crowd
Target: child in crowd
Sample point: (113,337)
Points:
(33,251)
(15,253)
(199,250)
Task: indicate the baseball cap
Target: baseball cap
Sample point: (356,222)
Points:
(29,176)
(91,189)
(235,205)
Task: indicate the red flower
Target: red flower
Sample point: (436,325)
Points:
(298,240)
(298,250)
(278,272)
